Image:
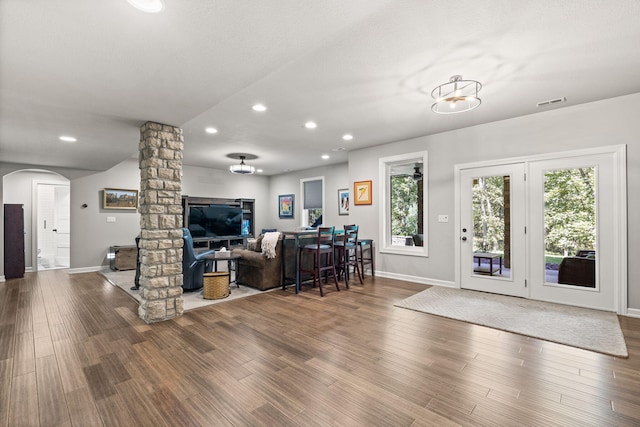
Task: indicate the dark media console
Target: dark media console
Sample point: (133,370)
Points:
(215,222)
(219,242)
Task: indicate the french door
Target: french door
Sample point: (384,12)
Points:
(574,217)
(549,228)
(492,243)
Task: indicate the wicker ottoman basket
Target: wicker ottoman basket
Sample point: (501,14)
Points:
(216,285)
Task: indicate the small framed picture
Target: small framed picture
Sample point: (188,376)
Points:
(343,201)
(362,193)
(117,198)
(285,206)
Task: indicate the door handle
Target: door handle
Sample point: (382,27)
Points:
(55,229)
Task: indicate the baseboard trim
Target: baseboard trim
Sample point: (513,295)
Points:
(416,279)
(2,279)
(86,269)
(632,312)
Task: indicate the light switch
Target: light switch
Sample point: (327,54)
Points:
(443,218)
(111,219)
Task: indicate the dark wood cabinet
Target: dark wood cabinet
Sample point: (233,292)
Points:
(13,241)
(248,218)
(123,257)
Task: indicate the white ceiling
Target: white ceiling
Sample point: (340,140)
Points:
(97,70)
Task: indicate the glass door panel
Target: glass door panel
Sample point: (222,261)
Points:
(492,225)
(570,226)
(492,229)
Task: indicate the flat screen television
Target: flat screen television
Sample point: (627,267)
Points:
(215,220)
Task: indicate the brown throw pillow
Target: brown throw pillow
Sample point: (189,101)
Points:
(258,247)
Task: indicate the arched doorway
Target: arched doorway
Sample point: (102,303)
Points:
(45,196)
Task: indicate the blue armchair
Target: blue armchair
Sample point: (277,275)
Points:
(193,266)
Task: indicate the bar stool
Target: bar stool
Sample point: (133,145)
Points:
(368,246)
(324,246)
(348,252)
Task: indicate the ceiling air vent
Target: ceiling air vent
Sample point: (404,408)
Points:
(551,102)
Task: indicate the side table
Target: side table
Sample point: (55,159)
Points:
(232,264)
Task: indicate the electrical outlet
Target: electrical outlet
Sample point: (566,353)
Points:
(111,219)
(443,218)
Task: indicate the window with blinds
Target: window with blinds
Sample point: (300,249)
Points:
(312,195)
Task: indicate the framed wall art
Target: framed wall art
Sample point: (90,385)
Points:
(362,193)
(285,206)
(343,201)
(117,198)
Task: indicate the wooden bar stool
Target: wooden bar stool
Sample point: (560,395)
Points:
(366,252)
(348,252)
(322,248)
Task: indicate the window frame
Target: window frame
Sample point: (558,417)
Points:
(304,220)
(385,165)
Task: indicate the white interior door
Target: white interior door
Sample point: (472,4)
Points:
(62,222)
(575,230)
(52,226)
(492,229)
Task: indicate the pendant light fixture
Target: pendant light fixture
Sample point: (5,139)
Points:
(417,174)
(242,168)
(457,96)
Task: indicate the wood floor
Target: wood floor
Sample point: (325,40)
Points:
(73,352)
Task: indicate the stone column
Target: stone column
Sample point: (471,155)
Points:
(160,161)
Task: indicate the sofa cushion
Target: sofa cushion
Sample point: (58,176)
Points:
(258,247)
(249,257)
(251,244)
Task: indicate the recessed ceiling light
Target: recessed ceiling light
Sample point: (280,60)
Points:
(310,125)
(211,130)
(259,107)
(68,139)
(149,6)
(347,137)
(325,156)
(259,170)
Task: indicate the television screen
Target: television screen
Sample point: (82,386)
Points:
(215,220)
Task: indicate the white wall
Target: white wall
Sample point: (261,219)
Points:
(335,178)
(609,122)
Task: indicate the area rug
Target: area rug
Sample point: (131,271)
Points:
(592,330)
(124,280)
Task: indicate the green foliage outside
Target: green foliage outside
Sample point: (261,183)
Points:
(488,214)
(570,210)
(314,214)
(569,213)
(404,206)
(553,259)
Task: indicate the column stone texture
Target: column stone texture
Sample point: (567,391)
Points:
(160,161)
